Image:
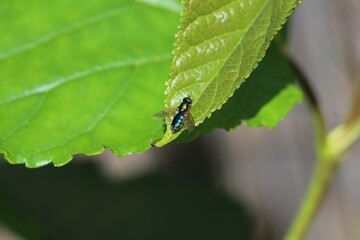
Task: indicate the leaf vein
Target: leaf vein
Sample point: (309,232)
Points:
(208,40)
(208,14)
(27,120)
(88,72)
(236,45)
(65,30)
(240,41)
(97,120)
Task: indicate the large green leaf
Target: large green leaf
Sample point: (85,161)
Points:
(219,43)
(265,98)
(76,76)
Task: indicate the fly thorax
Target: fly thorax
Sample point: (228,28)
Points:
(183,107)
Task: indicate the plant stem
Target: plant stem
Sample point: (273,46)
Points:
(330,149)
(316,112)
(337,142)
(324,171)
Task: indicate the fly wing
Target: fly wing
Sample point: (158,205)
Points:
(189,121)
(166,113)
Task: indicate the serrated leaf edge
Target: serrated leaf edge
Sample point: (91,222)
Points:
(181,28)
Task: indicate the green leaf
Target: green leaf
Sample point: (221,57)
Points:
(218,45)
(277,108)
(265,98)
(75,77)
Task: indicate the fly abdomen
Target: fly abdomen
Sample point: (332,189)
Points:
(178,122)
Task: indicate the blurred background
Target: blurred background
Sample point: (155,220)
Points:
(246,184)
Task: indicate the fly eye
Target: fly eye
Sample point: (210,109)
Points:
(187,100)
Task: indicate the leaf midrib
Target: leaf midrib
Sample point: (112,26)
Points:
(85,73)
(27,46)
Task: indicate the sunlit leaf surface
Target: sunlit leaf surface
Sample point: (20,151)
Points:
(76,76)
(219,43)
(265,98)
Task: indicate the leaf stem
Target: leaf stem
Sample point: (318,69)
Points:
(337,142)
(316,112)
(324,171)
(330,147)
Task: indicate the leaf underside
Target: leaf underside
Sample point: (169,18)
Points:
(77,77)
(219,43)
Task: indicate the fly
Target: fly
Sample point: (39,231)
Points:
(181,116)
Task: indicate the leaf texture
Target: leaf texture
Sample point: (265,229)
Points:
(263,100)
(76,78)
(219,43)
